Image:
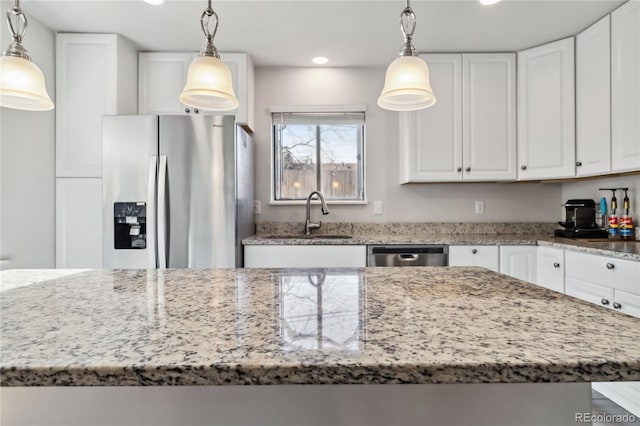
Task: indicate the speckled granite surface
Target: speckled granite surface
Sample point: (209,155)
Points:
(259,326)
(270,233)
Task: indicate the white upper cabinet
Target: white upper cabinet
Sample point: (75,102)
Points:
(593,100)
(164,74)
(489,116)
(625,87)
(431,139)
(469,134)
(546,111)
(95,76)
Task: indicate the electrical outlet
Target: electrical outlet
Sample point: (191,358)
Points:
(377,207)
(479,207)
(257,207)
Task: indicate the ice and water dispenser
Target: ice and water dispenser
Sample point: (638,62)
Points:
(130,225)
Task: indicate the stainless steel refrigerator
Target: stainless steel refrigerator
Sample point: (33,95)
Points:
(177,191)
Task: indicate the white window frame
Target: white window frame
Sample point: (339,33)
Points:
(320,109)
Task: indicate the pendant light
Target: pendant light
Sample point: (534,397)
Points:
(21,81)
(209,85)
(406,85)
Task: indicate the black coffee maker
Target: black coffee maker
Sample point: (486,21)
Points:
(580,220)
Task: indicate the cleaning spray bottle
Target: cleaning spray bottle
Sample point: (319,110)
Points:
(626,221)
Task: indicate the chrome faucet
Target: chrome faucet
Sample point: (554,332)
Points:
(308,225)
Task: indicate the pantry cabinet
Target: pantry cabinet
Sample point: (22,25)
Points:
(301,256)
(164,74)
(593,100)
(78,223)
(469,134)
(95,76)
(546,111)
(625,87)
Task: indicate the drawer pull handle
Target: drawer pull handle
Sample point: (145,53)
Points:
(610,266)
(604,301)
(523,167)
(459,169)
(187,110)
(474,251)
(616,305)
(556,265)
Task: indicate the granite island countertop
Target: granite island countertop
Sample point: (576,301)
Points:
(317,326)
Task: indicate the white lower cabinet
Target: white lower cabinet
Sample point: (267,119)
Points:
(78,223)
(312,256)
(550,268)
(519,262)
(615,284)
(485,256)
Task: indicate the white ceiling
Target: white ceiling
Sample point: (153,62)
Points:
(350,33)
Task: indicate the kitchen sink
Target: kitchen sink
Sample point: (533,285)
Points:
(304,237)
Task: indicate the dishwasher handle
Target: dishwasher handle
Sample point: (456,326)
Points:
(407,257)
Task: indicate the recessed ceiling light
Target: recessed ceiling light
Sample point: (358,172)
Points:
(320,60)
(154,2)
(488,2)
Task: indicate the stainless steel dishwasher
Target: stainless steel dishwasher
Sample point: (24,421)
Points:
(408,255)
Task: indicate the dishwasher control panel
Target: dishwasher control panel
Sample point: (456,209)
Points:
(408,255)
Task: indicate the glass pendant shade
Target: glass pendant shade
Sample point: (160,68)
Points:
(22,85)
(209,85)
(406,85)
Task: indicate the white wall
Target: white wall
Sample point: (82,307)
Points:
(402,203)
(589,189)
(27,163)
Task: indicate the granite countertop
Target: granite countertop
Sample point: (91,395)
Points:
(629,250)
(318,326)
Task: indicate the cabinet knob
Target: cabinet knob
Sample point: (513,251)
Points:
(610,266)
(459,169)
(616,305)
(468,169)
(523,167)
(196,110)
(474,251)
(604,301)
(187,110)
(556,265)
(578,163)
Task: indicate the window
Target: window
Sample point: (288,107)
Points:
(318,151)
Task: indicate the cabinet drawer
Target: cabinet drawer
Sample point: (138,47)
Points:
(589,292)
(616,273)
(485,256)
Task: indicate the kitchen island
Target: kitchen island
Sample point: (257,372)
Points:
(438,339)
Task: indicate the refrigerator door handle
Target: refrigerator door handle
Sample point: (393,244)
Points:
(151,212)
(162,213)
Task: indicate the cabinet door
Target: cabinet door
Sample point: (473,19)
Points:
(95,76)
(296,256)
(162,76)
(546,111)
(519,262)
(484,256)
(593,100)
(78,223)
(626,302)
(625,87)
(431,139)
(589,292)
(550,268)
(489,117)
(242,73)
